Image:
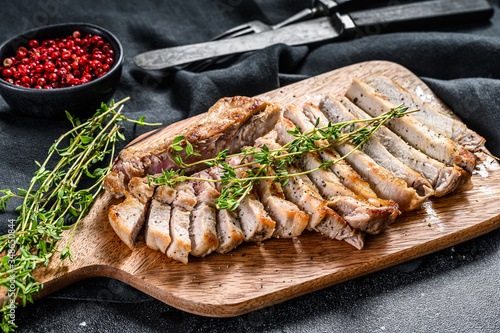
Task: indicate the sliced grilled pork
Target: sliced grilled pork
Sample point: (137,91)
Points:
(182,206)
(290,220)
(444,179)
(336,112)
(357,212)
(157,231)
(383,182)
(202,231)
(414,132)
(428,115)
(228,224)
(231,123)
(348,177)
(256,223)
(302,192)
(344,172)
(127,218)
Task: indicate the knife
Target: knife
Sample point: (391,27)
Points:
(354,24)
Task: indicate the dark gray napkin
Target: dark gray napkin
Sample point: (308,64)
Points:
(459,64)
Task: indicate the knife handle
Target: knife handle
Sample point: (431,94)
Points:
(437,13)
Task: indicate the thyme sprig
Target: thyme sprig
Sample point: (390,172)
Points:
(266,164)
(54,197)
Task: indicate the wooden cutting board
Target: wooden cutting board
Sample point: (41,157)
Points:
(258,275)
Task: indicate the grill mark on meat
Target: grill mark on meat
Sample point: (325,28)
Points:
(428,115)
(444,179)
(414,132)
(336,112)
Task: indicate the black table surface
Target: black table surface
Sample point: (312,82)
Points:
(453,290)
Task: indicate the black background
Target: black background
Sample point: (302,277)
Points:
(454,290)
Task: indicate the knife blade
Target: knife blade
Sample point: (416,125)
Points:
(322,29)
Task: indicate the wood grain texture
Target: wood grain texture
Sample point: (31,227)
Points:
(258,275)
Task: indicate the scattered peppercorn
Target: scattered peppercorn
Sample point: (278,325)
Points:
(59,63)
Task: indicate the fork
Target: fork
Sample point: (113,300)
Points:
(320,8)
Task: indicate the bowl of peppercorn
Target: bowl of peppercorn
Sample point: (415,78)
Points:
(70,67)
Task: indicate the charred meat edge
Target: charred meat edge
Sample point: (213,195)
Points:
(230,124)
(302,192)
(428,115)
(411,130)
(444,179)
(336,112)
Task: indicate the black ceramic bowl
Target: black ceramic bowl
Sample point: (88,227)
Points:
(82,100)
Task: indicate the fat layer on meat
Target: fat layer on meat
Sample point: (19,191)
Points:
(444,179)
(336,112)
(428,115)
(302,192)
(182,206)
(414,132)
(231,123)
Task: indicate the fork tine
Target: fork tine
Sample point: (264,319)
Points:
(228,33)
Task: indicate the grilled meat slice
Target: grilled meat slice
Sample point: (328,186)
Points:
(157,231)
(202,231)
(127,218)
(290,220)
(302,192)
(357,212)
(383,182)
(444,179)
(256,223)
(182,206)
(428,115)
(231,123)
(414,132)
(336,112)
(228,223)
(344,172)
